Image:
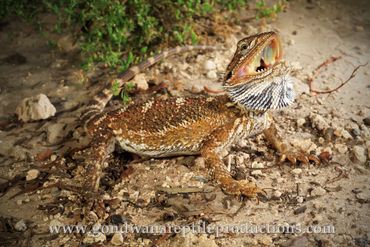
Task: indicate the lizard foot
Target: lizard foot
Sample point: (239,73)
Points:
(242,188)
(301,156)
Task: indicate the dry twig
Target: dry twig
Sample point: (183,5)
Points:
(328,61)
(324,64)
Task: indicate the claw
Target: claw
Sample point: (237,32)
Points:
(292,158)
(315,159)
(302,157)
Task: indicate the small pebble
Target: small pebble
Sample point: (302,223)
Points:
(321,140)
(359,154)
(32,174)
(366,121)
(318,191)
(300,199)
(359,28)
(242,143)
(346,135)
(265,240)
(291,42)
(91,238)
(363,197)
(257,173)
(209,65)
(296,171)
(117,239)
(342,148)
(20,226)
(53,157)
(319,122)
(140,81)
(211,74)
(257,165)
(300,210)
(356,132)
(300,122)
(277,194)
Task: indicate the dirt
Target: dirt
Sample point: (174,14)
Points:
(333,196)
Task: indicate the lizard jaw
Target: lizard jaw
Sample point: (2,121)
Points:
(254,58)
(264,60)
(256,77)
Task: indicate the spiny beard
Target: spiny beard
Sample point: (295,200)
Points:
(270,94)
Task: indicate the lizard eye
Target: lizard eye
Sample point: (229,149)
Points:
(243,47)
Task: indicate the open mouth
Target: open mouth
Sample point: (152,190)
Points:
(264,60)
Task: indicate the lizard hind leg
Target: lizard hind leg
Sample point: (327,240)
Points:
(278,144)
(211,154)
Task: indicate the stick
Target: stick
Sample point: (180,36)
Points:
(343,83)
(328,61)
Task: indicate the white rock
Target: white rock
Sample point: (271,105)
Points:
(277,194)
(342,148)
(341,132)
(204,241)
(265,240)
(291,42)
(257,165)
(20,226)
(239,160)
(199,162)
(300,122)
(55,132)
(346,135)
(140,82)
(300,199)
(91,238)
(359,154)
(321,140)
(117,239)
(362,196)
(318,191)
(257,173)
(242,143)
(212,74)
(359,28)
(318,122)
(32,174)
(35,108)
(318,218)
(296,171)
(304,144)
(209,65)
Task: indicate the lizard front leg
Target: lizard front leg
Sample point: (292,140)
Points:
(101,146)
(277,143)
(210,151)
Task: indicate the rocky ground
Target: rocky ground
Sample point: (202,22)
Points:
(334,195)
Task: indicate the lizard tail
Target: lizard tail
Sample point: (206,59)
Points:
(98,103)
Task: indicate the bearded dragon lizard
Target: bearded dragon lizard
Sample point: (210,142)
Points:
(256,81)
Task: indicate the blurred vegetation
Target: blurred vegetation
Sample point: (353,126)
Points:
(120,32)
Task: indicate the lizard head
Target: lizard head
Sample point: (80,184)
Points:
(256,77)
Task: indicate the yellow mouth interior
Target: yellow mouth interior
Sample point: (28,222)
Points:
(265,59)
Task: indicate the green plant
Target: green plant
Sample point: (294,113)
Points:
(124,92)
(266,11)
(120,32)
